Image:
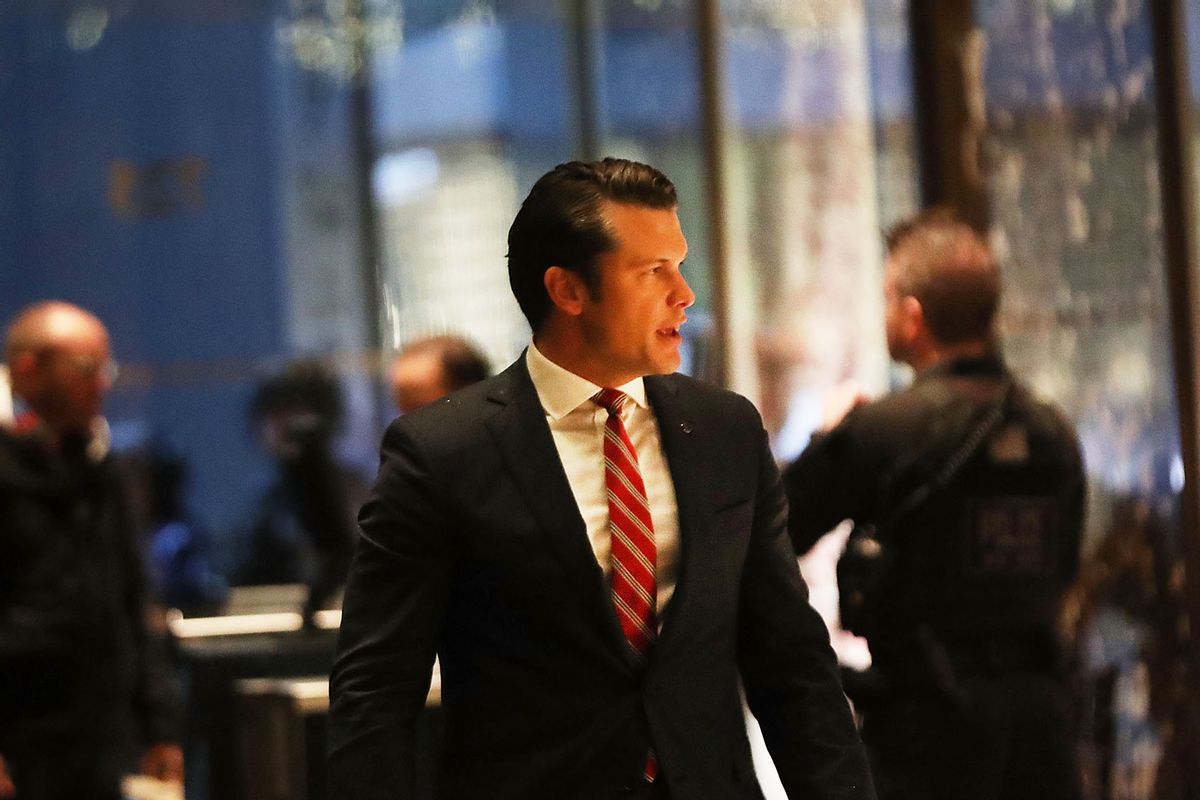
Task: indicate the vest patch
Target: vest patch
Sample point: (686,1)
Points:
(1014,537)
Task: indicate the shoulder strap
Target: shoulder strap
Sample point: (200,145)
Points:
(974,438)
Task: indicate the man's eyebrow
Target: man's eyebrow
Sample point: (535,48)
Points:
(659,260)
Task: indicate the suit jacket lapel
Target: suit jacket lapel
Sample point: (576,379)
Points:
(524,437)
(685,460)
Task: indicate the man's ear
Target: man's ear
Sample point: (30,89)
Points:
(913,316)
(566,289)
(23,371)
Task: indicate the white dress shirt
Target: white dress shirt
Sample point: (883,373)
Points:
(577,425)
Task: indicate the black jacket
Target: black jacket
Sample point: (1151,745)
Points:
(77,665)
(986,559)
(473,547)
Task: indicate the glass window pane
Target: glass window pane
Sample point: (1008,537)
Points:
(1072,175)
(467,114)
(821,160)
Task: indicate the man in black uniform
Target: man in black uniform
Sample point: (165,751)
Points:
(83,688)
(967,497)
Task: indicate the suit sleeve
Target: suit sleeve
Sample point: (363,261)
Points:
(391,619)
(788,668)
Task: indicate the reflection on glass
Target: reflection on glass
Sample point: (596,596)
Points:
(1073,181)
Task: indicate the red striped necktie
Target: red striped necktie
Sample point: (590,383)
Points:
(633,553)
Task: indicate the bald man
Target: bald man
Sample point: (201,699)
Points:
(85,694)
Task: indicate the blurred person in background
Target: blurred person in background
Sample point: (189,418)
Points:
(303,527)
(428,369)
(178,556)
(966,493)
(85,688)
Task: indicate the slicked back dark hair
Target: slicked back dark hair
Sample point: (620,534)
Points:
(562,224)
(942,262)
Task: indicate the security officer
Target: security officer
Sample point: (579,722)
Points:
(967,498)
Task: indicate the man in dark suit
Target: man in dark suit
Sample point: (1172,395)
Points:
(594,568)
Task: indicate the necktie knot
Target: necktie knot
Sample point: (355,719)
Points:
(612,400)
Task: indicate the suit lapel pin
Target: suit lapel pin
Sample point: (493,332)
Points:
(686,427)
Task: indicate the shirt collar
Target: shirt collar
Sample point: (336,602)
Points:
(562,391)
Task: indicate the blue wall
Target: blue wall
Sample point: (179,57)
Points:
(197,279)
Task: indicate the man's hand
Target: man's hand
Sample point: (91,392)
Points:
(7,789)
(163,761)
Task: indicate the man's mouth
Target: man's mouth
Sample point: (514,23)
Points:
(671,331)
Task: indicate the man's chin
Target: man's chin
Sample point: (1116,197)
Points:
(667,365)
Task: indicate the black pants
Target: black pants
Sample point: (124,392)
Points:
(1005,738)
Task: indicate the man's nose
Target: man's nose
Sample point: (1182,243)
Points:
(682,294)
